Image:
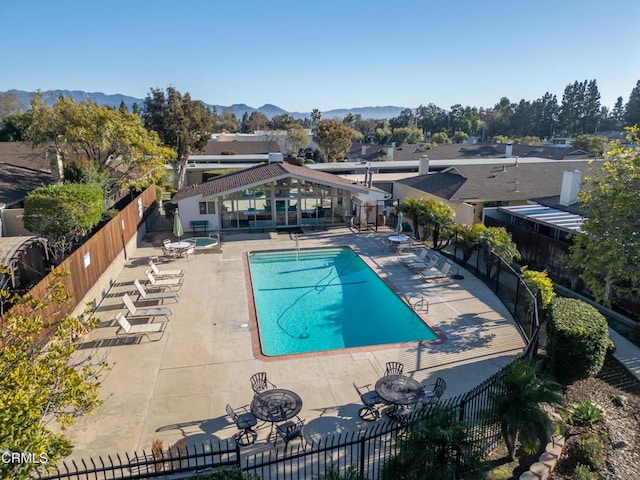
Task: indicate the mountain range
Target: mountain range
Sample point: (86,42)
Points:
(238,109)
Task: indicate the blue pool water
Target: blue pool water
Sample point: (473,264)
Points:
(326,299)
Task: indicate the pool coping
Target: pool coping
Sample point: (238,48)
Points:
(254,327)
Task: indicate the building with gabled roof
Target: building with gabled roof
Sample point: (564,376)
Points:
(271,196)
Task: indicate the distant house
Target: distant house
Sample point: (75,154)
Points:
(272,196)
(468,189)
(22,169)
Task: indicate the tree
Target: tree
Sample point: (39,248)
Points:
(283,122)
(297,138)
(10,104)
(404,135)
(590,143)
(183,124)
(333,139)
(115,142)
(440,137)
(414,208)
(256,121)
(436,447)
(632,109)
(607,251)
(43,387)
(15,127)
(497,241)
(63,213)
(518,406)
(468,236)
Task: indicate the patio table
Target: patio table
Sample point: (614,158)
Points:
(396,240)
(276,405)
(399,389)
(180,247)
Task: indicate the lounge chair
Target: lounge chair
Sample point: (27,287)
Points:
(143,295)
(426,264)
(162,282)
(437,273)
(415,257)
(138,312)
(165,273)
(146,329)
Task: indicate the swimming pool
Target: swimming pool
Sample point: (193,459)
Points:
(325,299)
(203,243)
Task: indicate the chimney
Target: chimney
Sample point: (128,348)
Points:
(571,180)
(55,162)
(509,150)
(364,150)
(390,149)
(423,165)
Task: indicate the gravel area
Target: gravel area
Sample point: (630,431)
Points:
(618,393)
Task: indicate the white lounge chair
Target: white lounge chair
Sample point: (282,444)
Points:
(415,257)
(163,282)
(138,312)
(426,264)
(165,273)
(441,273)
(143,295)
(126,329)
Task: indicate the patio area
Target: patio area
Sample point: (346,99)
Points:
(178,387)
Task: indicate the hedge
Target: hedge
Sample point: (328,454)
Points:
(578,337)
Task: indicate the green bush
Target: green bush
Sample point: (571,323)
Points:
(585,413)
(591,450)
(539,282)
(159,193)
(583,472)
(577,339)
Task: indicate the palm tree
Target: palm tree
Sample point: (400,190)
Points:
(518,406)
(497,241)
(436,448)
(468,237)
(413,208)
(438,215)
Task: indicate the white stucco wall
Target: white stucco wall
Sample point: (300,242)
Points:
(466,213)
(190,210)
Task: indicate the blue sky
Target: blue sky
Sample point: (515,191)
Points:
(325,54)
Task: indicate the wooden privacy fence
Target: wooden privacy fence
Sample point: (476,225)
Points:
(91,259)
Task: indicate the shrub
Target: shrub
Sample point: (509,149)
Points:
(585,413)
(539,282)
(583,472)
(578,337)
(159,193)
(591,450)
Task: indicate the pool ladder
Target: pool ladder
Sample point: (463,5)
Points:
(419,303)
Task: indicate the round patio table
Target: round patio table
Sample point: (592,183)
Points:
(276,405)
(399,390)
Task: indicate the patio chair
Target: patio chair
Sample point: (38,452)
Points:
(191,250)
(162,282)
(427,264)
(433,396)
(143,295)
(169,253)
(437,273)
(259,382)
(415,257)
(370,399)
(126,329)
(394,368)
(166,242)
(245,421)
(165,273)
(290,430)
(139,312)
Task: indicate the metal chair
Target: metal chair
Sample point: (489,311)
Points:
(259,382)
(433,396)
(394,368)
(369,399)
(245,421)
(290,430)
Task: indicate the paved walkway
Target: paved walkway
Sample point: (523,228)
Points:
(626,353)
(177,388)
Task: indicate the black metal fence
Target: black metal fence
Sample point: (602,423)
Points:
(364,450)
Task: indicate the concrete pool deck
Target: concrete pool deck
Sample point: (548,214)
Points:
(177,388)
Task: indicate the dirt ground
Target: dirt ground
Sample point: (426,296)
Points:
(618,393)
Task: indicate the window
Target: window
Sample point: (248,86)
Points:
(207,208)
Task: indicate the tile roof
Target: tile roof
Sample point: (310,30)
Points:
(498,183)
(261,174)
